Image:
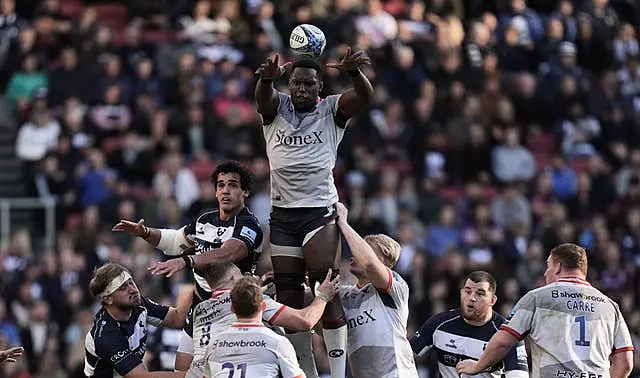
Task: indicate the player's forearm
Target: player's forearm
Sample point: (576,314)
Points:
(621,365)
(264,95)
(151,236)
(362,88)
(497,349)
(176,316)
(360,249)
(311,314)
(220,255)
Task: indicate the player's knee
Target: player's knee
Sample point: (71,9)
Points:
(318,276)
(290,288)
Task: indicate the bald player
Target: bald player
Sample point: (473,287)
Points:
(573,330)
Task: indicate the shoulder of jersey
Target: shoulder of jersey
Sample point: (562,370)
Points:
(446,316)
(208,214)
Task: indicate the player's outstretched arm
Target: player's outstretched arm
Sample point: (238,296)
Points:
(140,371)
(176,315)
(306,319)
(171,242)
(362,252)
(266,96)
(496,350)
(361,95)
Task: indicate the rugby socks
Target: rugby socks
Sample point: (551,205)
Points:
(336,343)
(302,343)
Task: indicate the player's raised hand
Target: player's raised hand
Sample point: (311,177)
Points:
(167,268)
(351,61)
(328,288)
(131,228)
(467,367)
(272,69)
(11,354)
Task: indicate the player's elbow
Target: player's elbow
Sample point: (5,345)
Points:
(303,323)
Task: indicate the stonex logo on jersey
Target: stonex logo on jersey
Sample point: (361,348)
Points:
(364,318)
(298,140)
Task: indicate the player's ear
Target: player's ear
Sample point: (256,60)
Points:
(494,299)
(245,194)
(263,306)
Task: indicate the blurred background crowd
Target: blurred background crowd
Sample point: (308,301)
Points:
(499,129)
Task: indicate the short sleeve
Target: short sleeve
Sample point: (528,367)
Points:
(249,232)
(287,360)
(622,338)
(272,311)
(189,229)
(397,288)
(113,346)
(339,118)
(422,340)
(284,106)
(521,318)
(155,311)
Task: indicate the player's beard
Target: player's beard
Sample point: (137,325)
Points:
(472,313)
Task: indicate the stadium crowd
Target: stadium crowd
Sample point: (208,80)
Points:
(499,129)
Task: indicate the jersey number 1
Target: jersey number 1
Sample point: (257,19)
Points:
(242,367)
(582,322)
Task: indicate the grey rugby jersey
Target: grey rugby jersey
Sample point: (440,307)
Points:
(302,151)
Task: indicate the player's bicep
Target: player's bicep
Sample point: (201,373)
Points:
(250,233)
(270,110)
(349,104)
(156,313)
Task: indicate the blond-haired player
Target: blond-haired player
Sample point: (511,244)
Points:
(377,307)
(249,349)
(573,330)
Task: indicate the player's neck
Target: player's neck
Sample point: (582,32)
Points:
(118,314)
(222,285)
(225,216)
(252,319)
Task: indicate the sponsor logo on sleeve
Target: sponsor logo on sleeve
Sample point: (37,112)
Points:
(248,233)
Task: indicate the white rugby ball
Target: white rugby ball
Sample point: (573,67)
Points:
(307,40)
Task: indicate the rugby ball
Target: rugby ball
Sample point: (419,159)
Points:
(307,40)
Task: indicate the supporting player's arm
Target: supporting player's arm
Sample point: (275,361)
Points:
(170,242)
(176,315)
(306,319)
(141,371)
(362,252)
(361,95)
(496,350)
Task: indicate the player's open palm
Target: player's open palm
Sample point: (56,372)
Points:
(131,228)
(167,268)
(11,354)
(351,61)
(272,69)
(328,288)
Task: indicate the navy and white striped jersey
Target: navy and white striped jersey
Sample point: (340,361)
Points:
(114,348)
(455,340)
(208,231)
